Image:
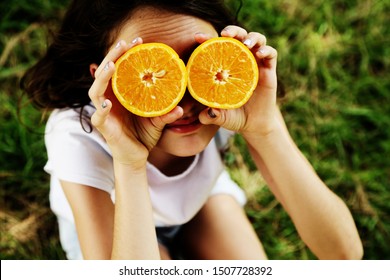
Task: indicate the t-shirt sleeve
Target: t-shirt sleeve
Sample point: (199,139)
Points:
(77,156)
(225,185)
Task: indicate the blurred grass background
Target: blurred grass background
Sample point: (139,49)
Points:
(334,61)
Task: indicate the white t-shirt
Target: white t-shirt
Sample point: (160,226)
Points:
(84,158)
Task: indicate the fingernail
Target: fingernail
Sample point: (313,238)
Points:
(104,104)
(118,45)
(106,66)
(261,51)
(135,40)
(248,42)
(211,113)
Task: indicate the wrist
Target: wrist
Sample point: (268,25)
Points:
(131,167)
(133,161)
(263,133)
(276,141)
(128,178)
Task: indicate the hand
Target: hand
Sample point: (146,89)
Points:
(259,115)
(129,137)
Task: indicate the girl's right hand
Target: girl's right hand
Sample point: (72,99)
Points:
(129,137)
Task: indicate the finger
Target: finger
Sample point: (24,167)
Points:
(99,117)
(120,48)
(106,69)
(234,32)
(255,40)
(233,119)
(267,55)
(112,55)
(99,86)
(201,37)
(212,116)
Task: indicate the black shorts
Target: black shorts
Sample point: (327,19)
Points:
(167,236)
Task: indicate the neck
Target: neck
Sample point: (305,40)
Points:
(168,164)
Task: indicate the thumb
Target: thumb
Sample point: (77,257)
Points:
(161,121)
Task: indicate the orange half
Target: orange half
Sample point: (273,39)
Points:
(222,73)
(150,79)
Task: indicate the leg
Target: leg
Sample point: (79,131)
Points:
(221,230)
(164,254)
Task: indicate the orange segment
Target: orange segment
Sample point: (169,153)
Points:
(150,79)
(222,73)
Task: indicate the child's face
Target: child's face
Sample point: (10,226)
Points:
(187,136)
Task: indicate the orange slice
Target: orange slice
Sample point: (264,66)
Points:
(150,79)
(222,73)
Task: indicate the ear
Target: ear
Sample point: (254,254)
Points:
(92,69)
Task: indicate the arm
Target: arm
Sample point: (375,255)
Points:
(130,139)
(93,212)
(321,218)
(131,226)
(134,232)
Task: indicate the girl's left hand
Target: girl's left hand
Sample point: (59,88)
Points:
(259,115)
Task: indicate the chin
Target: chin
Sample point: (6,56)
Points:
(186,152)
(186,145)
(185,148)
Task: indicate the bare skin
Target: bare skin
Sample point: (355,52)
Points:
(328,230)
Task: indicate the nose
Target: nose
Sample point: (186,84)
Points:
(190,105)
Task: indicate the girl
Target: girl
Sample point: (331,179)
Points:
(129,187)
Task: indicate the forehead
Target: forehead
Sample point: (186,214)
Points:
(175,30)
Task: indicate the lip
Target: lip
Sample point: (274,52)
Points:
(184,125)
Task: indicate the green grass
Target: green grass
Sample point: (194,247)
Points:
(334,61)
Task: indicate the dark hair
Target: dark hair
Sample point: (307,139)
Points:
(62,78)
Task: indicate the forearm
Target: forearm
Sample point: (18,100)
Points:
(321,218)
(134,231)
